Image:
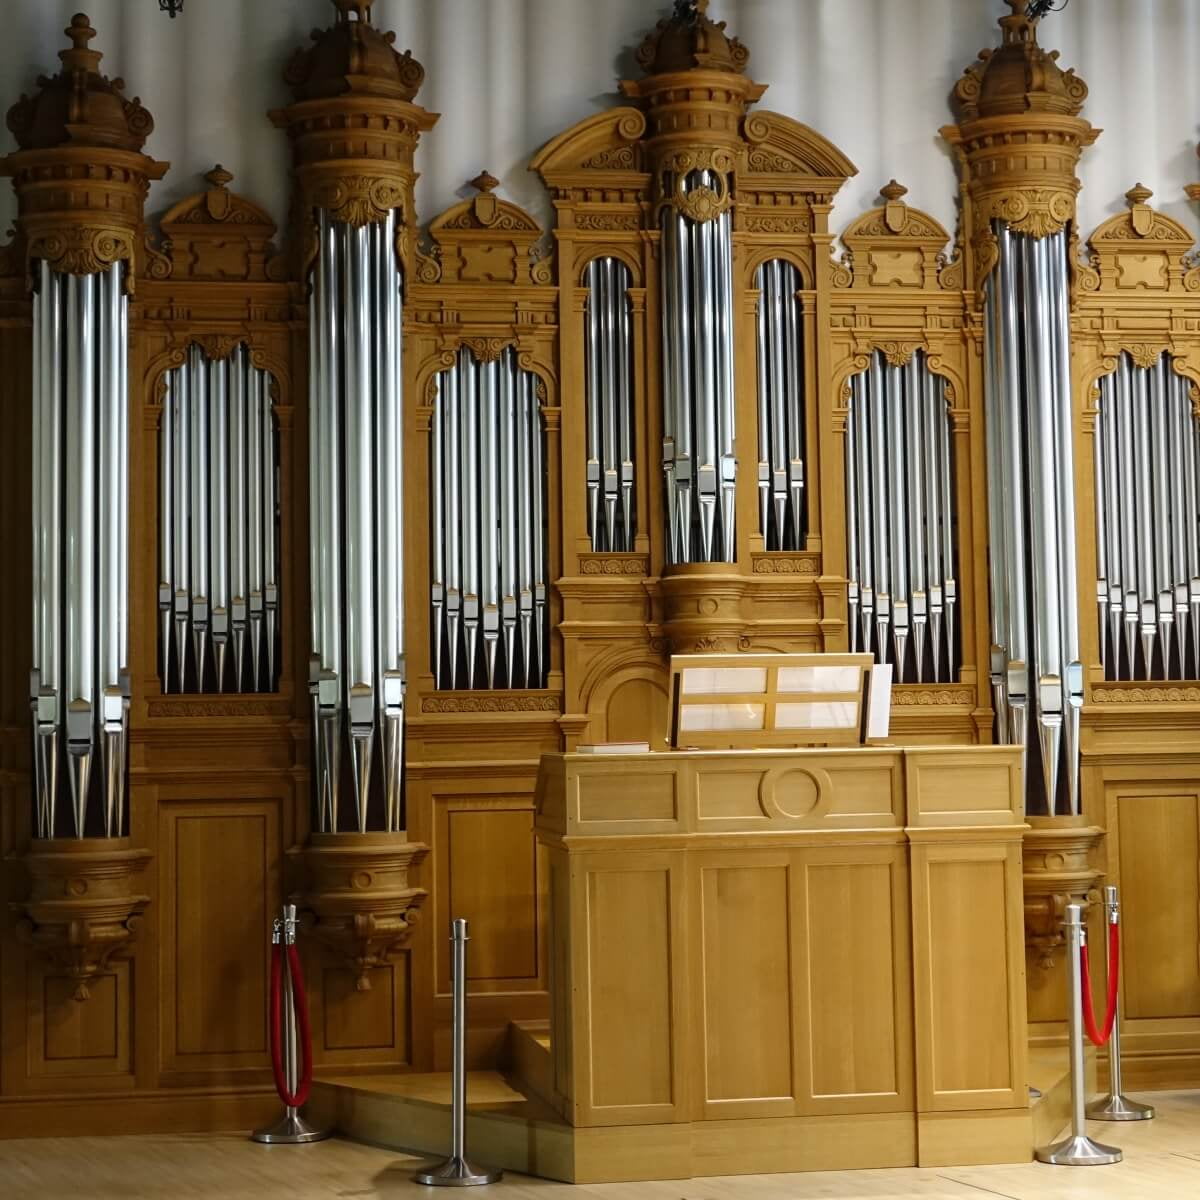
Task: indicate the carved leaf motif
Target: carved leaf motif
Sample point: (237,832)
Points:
(926,697)
(615,158)
(490,704)
(613,566)
(1146,695)
(784,564)
(797,222)
(607,221)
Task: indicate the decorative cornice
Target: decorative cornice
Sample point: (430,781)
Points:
(493,702)
(1146,695)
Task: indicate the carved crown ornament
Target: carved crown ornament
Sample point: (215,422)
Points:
(79,172)
(1019,136)
(353,127)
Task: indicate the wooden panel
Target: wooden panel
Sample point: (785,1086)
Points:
(856,1028)
(628,963)
(979,786)
(1158,843)
(746,972)
(364,1020)
(969,978)
(72,1039)
(627,795)
(493,884)
(220,887)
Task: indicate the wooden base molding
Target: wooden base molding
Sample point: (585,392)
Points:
(82,912)
(362,903)
(1058,871)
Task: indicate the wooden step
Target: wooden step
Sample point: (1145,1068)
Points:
(529,1065)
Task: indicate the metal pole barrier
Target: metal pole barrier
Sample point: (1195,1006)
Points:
(456,1171)
(1115,1106)
(1077,1149)
(291,1129)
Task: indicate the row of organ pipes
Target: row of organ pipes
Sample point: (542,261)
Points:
(1036,673)
(1147,449)
(218,595)
(610,419)
(781,507)
(357,665)
(488,562)
(79,686)
(900,520)
(698,398)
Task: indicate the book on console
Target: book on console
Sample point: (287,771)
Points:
(613,748)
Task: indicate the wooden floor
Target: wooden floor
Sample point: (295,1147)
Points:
(1162,1162)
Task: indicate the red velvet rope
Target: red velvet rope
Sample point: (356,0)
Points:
(1096,1036)
(303,1032)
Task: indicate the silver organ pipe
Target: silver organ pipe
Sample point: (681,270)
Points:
(901,523)
(780,407)
(612,521)
(79,685)
(357,672)
(218,454)
(1037,678)
(488,583)
(698,424)
(1147,524)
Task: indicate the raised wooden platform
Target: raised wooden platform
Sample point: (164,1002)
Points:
(512,1123)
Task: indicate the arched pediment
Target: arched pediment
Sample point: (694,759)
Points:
(780,145)
(606,141)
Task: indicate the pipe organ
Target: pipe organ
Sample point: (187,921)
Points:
(488,552)
(218,518)
(79,687)
(900,520)
(332,540)
(782,513)
(1147,525)
(612,511)
(697,333)
(357,671)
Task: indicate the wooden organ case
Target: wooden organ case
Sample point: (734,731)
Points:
(692,417)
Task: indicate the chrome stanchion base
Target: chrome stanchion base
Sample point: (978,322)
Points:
(1119,1108)
(1078,1151)
(290,1130)
(456,1172)
(1034,1093)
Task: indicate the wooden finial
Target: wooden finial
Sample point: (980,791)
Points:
(893,190)
(80,31)
(1138,194)
(219,177)
(485,181)
(79,57)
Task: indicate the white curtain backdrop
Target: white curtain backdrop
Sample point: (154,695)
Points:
(874,76)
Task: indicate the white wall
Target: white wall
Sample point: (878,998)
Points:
(874,76)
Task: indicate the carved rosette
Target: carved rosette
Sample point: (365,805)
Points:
(82,912)
(354,130)
(79,172)
(361,902)
(702,608)
(1019,136)
(1058,872)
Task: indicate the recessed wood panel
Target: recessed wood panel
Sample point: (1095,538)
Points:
(219,884)
(968,976)
(76,1030)
(851,980)
(627,795)
(746,939)
(362,1019)
(628,930)
(1158,843)
(493,884)
(637,712)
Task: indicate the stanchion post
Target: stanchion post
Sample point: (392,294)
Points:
(292,1129)
(456,1171)
(1116,1106)
(1077,1149)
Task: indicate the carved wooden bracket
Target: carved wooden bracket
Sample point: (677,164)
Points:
(1058,872)
(82,912)
(360,902)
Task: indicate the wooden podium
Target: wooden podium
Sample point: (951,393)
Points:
(780,960)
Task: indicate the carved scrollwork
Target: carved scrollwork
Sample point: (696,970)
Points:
(429,266)
(608,221)
(82,249)
(614,158)
(791,222)
(841,270)
(1146,695)
(487,349)
(614,566)
(785,564)
(932,697)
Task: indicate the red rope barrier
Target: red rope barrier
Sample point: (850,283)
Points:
(303,1032)
(1096,1036)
